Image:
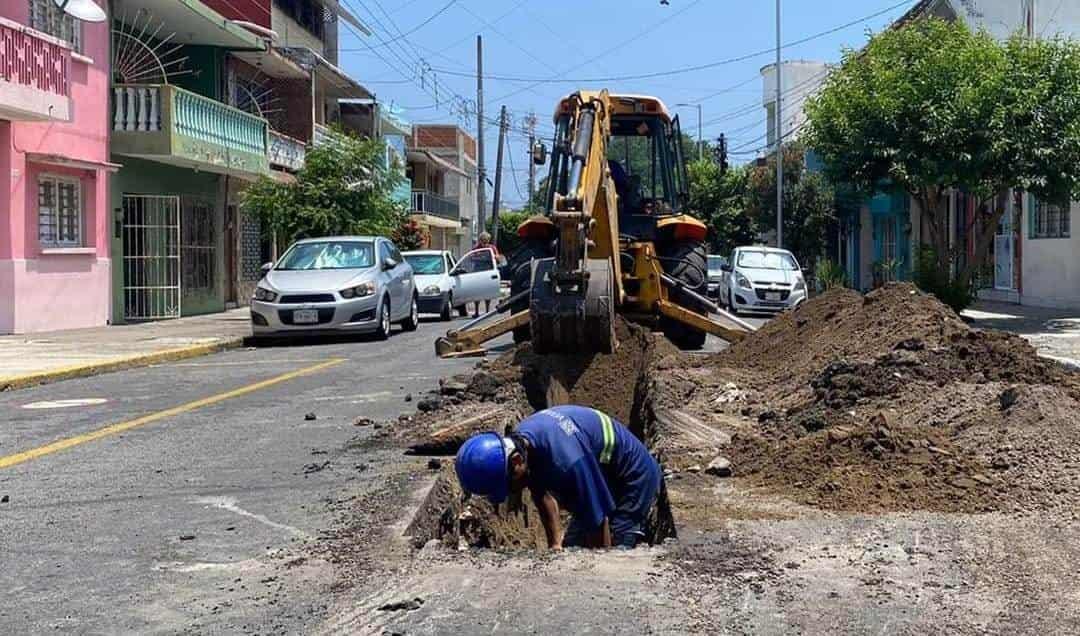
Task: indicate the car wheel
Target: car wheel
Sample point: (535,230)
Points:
(382,332)
(413,321)
(448,309)
(463,311)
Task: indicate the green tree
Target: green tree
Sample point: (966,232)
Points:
(342,189)
(509,220)
(410,235)
(809,203)
(934,106)
(720,200)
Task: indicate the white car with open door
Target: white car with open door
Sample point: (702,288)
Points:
(476,278)
(431,269)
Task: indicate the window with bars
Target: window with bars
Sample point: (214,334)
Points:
(59,212)
(46,17)
(1050,220)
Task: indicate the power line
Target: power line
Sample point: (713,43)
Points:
(535,81)
(421,25)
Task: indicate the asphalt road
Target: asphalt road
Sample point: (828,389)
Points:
(179,498)
(169,498)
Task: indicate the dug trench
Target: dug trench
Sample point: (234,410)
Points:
(521,382)
(854,459)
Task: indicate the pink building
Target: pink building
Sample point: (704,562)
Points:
(54,229)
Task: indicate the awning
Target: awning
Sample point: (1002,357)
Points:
(69,162)
(273,64)
(332,80)
(188,21)
(431,220)
(426,156)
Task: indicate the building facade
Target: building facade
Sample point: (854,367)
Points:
(55,257)
(243,88)
(442,171)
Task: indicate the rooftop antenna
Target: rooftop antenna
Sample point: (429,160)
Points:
(85,10)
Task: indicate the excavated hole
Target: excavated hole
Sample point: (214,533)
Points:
(619,384)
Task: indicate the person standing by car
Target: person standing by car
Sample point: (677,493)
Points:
(485,243)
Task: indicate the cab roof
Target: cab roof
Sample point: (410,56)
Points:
(620,103)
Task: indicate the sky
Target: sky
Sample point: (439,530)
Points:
(421,56)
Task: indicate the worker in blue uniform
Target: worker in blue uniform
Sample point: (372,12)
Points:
(570,457)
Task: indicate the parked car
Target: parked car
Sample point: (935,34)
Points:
(476,278)
(715,274)
(762,279)
(354,284)
(435,285)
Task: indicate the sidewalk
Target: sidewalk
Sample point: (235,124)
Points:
(37,358)
(1054,332)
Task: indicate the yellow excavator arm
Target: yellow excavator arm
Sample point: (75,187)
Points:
(595,271)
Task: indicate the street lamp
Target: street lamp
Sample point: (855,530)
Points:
(700,142)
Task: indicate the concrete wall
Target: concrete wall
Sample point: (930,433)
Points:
(1051,266)
(290,33)
(1004,17)
(800,79)
(40,290)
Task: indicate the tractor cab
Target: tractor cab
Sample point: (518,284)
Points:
(645,159)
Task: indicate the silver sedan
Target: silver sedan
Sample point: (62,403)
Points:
(353,284)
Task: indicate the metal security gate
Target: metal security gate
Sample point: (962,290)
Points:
(1003,252)
(151,257)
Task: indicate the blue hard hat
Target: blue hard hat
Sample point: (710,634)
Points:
(482,468)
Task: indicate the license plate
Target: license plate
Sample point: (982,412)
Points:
(305,316)
(772,296)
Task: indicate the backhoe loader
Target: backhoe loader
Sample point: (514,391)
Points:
(614,239)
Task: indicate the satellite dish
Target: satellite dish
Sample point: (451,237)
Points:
(85,10)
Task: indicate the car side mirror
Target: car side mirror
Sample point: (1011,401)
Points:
(725,267)
(389,263)
(539,153)
(266,267)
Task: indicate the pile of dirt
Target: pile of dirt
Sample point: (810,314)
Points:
(520,382)
(891,402)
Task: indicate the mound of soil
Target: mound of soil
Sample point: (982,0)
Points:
(889,402)
(520,382)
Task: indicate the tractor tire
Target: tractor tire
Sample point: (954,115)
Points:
(686,262)
(520,269)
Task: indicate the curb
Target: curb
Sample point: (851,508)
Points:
(11,383)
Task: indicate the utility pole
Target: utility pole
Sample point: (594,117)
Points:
(503,125)
(481,174)
(700,139)
(779,139)
(530,127)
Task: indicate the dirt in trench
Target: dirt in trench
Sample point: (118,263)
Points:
(517,384)
(890,402)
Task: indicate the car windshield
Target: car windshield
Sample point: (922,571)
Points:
(716,262)
(427,263)
(329,255)
(768,260)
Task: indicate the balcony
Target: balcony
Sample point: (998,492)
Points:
(170,125)
(34,71)
(431,203)
(286,152)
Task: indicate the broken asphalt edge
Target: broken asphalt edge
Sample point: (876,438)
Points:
(12,383)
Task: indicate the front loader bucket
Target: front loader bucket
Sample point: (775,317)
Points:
(572,321)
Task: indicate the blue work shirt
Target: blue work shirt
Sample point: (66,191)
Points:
(592,474)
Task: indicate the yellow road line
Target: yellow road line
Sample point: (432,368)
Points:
(63,444)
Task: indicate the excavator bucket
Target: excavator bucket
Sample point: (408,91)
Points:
(572,318)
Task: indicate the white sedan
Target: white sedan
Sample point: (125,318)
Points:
(444,284)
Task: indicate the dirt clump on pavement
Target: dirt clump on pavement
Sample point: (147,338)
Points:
(890,402)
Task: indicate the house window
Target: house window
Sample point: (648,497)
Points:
(59,212)
(1050,220)
(46,17)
